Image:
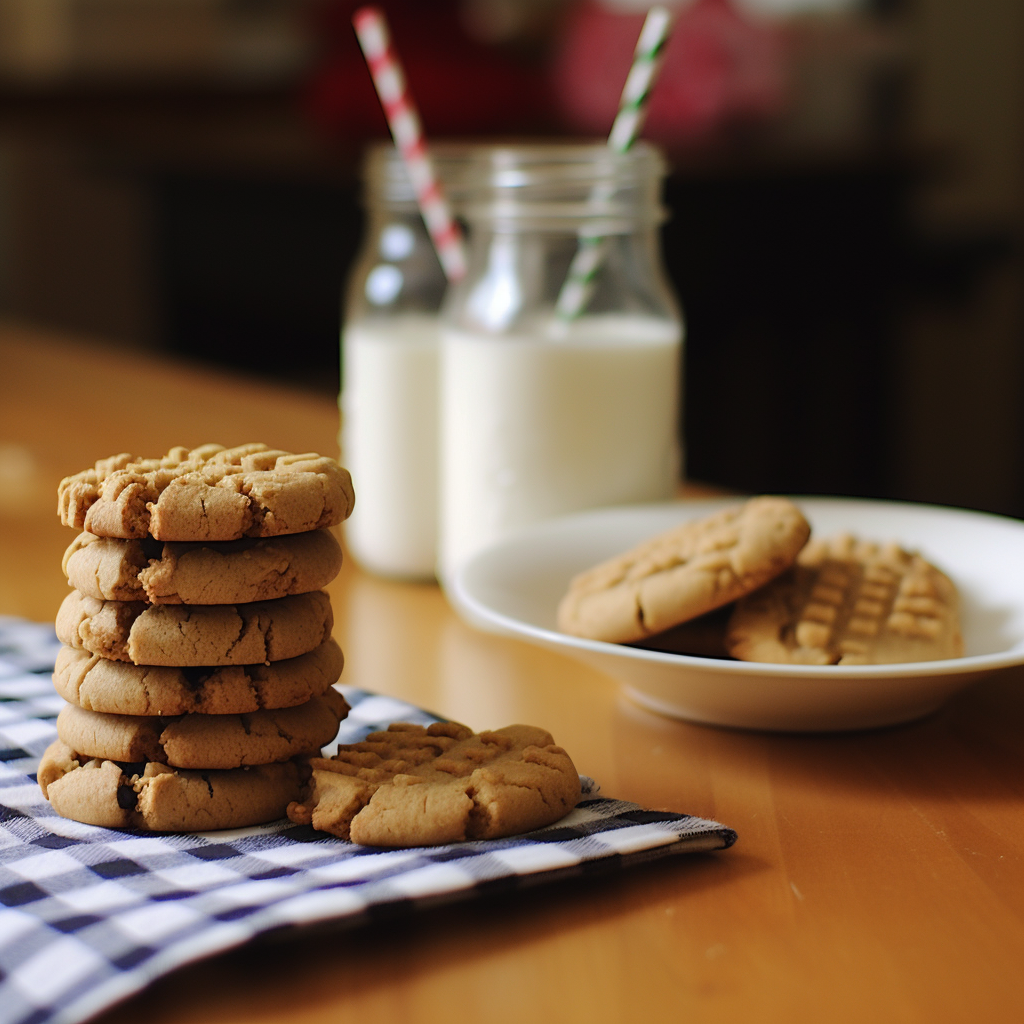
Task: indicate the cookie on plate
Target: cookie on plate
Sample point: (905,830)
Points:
(684,572)
(849,602)
(210,493)
(225,572)
(159,798)
(121,688)
(196,635)
(702,637)
(416,786)
(205,741)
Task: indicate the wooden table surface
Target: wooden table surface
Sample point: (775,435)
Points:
(878,875)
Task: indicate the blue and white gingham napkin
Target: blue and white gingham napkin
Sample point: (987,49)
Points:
(89,915)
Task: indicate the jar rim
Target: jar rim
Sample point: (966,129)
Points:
(475,167)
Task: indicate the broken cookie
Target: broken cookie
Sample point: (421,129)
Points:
(416,786)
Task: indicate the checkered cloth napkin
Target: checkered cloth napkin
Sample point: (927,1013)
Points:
(89,916)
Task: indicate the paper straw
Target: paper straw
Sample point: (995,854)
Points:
(637,91)
(407,132)
(579,282)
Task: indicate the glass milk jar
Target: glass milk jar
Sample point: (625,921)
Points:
(389,358)
(560,368)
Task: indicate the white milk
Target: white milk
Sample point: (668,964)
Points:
(389,442)
(535,427)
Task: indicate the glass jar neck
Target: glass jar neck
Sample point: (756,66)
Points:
(386,181)
(579,188)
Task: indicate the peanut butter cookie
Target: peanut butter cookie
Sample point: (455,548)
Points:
(416,786)
(121,688)
(205,741)
(224,572)
(208,493)
(196,635)
(159,798)
(691,569)
(849,602)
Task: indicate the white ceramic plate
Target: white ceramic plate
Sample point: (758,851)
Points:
(514,589)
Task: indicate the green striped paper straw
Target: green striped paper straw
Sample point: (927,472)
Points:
(590,254)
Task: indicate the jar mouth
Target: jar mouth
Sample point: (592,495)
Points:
(536,165)
(532,180)
(584,188)
(386,179)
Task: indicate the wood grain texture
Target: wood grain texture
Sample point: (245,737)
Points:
(877,875)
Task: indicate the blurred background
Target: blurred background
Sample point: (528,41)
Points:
(846,196)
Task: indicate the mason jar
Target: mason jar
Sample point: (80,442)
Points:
(561,347)
(389,359)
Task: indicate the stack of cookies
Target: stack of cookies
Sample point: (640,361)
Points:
(198,661)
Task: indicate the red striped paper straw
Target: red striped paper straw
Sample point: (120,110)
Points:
(407,131)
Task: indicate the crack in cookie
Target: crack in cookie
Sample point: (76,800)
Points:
(154,796)
(196,635)
(210,493)
(416,786)
(205,741)
(226,572)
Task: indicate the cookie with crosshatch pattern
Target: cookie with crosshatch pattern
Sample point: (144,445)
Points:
(210,493)
(419,786)
(694,568)
(849,602)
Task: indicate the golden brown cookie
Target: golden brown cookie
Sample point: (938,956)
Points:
(119,687)
(205,741)
(208,494)
(156,797)
(224,572)
(416,786)
(691,569)
(849,602)
(196,635)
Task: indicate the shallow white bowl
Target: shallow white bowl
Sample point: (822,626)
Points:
(514,588)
